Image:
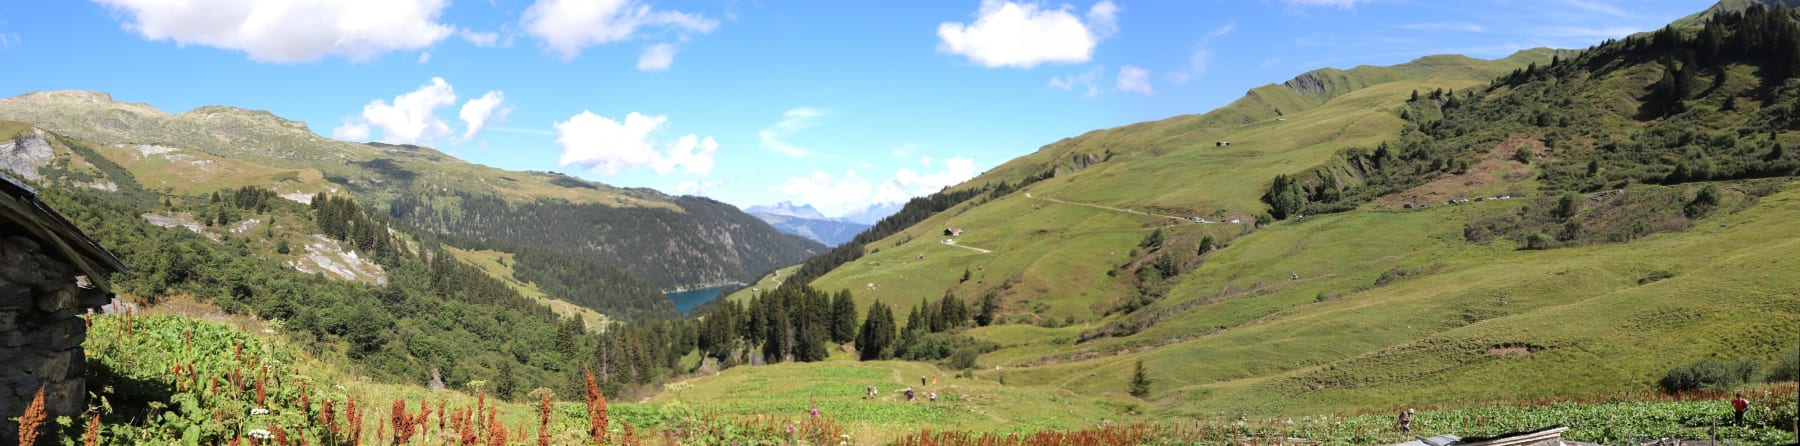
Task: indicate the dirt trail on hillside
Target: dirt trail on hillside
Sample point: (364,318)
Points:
(1128,211)
(952,242)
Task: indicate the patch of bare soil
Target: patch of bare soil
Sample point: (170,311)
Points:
(1514,349)
(1495,168)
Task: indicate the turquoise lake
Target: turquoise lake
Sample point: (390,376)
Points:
(687,300)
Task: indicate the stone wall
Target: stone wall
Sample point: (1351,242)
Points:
(40,329)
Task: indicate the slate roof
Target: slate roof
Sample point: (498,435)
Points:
(19,204)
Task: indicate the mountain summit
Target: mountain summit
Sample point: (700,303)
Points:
(789,209)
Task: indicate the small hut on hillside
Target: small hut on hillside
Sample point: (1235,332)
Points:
(50,273)
(952,232)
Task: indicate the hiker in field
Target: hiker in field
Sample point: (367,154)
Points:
(921,380)
(933,396)
(909,394)
(1739,405)
(1295,276)
(1406,421)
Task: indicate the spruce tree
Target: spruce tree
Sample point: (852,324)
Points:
(843,317)
(875,340)
(1140,381)
(990,306)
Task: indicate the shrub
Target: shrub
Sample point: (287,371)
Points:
(1569,204)
(1708,374)
(1785,369)
(1704,202)
(1539,240)
(964,358)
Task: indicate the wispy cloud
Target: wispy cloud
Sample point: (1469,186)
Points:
(794,120)
(1588,32)
(1201,58)
(1085,78)
(1598,6)
(1448,26)
(1340,4)
(1134,80)
(522,131)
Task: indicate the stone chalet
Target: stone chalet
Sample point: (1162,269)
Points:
(50,274)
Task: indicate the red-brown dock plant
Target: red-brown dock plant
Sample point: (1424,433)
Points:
(544,421)
(496,431)
(33,419)
(305,399)
(262,392)
(327,418)
(401,422)
(596,406)
(422,421)
(92,437)
(354,417)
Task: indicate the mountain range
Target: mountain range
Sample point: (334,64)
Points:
(805,221)
(1554,225)
(640,239)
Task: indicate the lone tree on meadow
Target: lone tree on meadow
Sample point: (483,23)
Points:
(1140,381)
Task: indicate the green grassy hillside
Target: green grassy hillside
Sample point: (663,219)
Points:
(1643,230)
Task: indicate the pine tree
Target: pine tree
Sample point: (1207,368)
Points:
(843,317)
(875,340)
(990,305)
(1140,381)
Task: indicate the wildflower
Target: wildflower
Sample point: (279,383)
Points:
(261,434)
(259,411)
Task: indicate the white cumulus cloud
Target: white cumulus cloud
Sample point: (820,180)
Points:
(568,26)
(657,57)
(599,143)
(1134,80)
(410,119)
(288,30)
(837,195)
(477,113)
(794,120)
(352,130)
(1024,35)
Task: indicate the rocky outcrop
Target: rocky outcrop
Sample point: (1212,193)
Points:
(25,154)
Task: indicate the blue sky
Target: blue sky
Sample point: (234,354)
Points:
(839,104)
